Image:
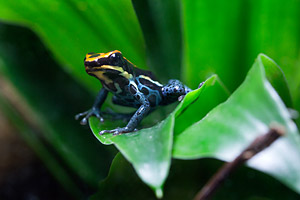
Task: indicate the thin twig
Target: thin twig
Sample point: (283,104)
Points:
(259,144)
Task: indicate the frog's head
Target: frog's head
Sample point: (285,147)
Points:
(99,64)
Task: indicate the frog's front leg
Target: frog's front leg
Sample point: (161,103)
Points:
(142,111)
(95,110)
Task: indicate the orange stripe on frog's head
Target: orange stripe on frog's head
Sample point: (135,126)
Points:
(90,57)
(99,64)
(95,61)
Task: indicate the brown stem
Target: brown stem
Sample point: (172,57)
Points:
(259,144)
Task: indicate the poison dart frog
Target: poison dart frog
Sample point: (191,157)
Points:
(131,86)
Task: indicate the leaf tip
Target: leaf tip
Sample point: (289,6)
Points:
(262,55)
(159,193)
(265,59)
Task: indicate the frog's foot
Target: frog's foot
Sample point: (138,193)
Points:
(118,131)
(87,114)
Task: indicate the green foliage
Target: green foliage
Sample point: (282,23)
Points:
(70,29)
(220,136)
(222,133)
(149,150)
(191,40)
(52,105)
(160,21)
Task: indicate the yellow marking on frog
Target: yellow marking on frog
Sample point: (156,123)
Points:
(149,79)
(91,57)
(105,55)
(100,74)
(120,69)
(126,75)
(117,68)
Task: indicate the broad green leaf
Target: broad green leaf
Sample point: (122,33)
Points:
(185,180)
(148,150)
(198,103)
(277,79)
(213,35)
(97,126)
(274,29)
(227,45)
(160,22)
(231,126)
(73,28)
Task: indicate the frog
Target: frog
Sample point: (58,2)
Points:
(130,86)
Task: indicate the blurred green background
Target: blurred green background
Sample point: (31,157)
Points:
(43,82)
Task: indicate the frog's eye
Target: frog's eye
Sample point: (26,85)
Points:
(116,59)
(115,56)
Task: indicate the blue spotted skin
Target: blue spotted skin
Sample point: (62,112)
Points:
(131,87)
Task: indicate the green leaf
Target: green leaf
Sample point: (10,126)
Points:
(231,126)
(199,102)
(227,45)
(213,37)
(277,79)
(97,126)
(73,28)
(160,22)
(274,29)
(184,181)
(148,150)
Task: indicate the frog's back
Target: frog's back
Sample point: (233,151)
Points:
(146,73)
(148,85)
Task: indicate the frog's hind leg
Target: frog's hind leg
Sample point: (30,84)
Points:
(178,87)
(175,89)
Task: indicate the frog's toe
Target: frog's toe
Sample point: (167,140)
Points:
(87,114)
(106,131)
(99,117)
(83,121)
(116,131)
(119,131)
(102,132)
(81,114)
